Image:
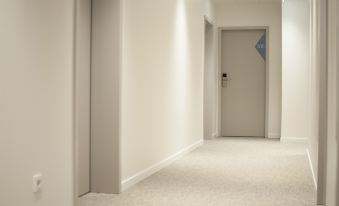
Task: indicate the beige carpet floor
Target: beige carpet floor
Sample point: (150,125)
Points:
(225,172)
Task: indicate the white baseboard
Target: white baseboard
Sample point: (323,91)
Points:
(303,140)
(312,168)
(274,135)
(129,182)
(215,135)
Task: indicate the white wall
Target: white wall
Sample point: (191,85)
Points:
(261,14)
(162,80)
(36,87)
(295,69)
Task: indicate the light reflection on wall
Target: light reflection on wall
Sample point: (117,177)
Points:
(181,69)
(181,53)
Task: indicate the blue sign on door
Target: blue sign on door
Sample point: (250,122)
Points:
(261,46)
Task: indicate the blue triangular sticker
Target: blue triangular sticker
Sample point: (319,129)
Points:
(261,46)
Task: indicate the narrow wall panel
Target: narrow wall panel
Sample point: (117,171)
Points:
(82,92)
(105,172)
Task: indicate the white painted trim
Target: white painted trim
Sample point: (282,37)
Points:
(206,22)
(209,20)
(274,135)
(303,140)
(131,181)
(312,168)
(212,136)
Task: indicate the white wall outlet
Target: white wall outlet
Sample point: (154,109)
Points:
(37,183)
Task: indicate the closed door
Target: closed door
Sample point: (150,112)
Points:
(243,61)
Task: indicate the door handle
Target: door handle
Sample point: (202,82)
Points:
(224,80)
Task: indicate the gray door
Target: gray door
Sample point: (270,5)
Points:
(243,83)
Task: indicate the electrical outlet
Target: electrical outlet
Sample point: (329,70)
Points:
(37,183)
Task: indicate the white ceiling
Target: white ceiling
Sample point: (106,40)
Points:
(242,1)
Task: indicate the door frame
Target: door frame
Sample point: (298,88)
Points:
(243,28)
(114,162)
(210,68)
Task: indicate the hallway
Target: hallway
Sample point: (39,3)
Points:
(225,171)
(124,103)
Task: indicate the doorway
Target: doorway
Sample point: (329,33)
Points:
(97,97)
(243,82)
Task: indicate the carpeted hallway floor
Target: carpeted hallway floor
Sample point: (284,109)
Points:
(225,172)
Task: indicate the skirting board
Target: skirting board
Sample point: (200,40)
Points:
(129,182)
(274,135)
(214,135)
(312,168)
(303,140)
